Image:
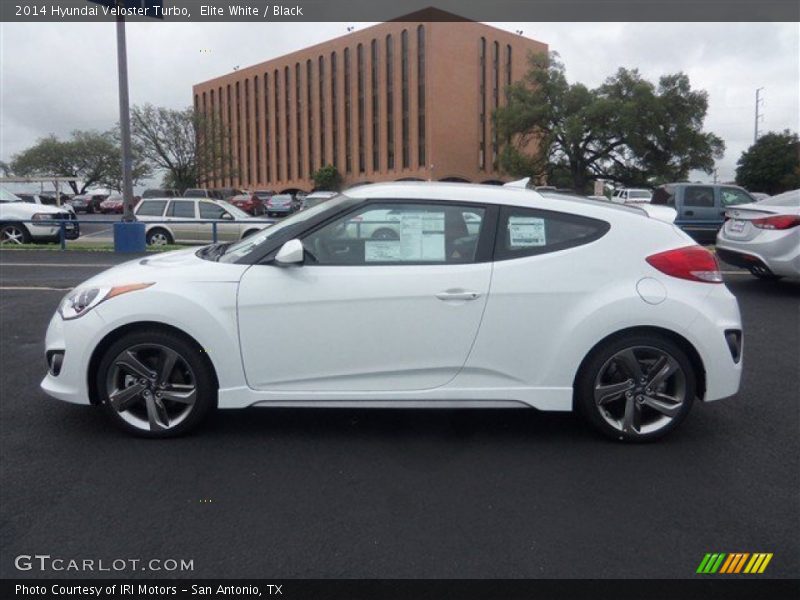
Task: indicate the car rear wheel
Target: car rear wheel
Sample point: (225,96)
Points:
(159,237)
(636,388)
(155,384)
(14,234)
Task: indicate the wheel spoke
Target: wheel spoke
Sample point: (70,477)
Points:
(604,394)
(630,363)
(658,403)
(170,357)
(128,361)
(156,414)
(663,368)
(631,419)
(124,398)
(179,393)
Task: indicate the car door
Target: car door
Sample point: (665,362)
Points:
(369,314)
(182,219)
(228,230)
(699,210)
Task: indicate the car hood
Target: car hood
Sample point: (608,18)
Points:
(27,209)
(179,266)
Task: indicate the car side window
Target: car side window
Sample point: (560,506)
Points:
(396,234)
(151,208)
(699,196)
(664,195)
(732,196)
(528,232)
(181,209)
(209,210)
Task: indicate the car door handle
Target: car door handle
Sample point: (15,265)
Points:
(457,295)
(689,213)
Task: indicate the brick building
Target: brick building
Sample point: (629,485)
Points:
(401,100)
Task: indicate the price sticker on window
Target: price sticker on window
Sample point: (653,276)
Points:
(526,232)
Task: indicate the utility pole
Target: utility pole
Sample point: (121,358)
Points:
(124,119)
(759,103)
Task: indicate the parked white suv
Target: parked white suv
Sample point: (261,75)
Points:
(15,230)
(169,221)
(625,196)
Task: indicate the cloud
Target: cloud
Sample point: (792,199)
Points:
(56,77)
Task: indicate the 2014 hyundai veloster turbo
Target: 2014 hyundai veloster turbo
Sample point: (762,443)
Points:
(481,297)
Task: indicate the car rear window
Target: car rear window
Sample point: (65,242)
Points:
(699,196)
(528,232)
(151,208)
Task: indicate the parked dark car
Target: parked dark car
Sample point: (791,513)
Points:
(700,207)
(87,203)
(249,203)
(280,205)
(159,193)
(226,193)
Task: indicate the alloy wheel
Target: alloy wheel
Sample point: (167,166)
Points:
(151,387)
(12,235)
(158,239)
(640,390)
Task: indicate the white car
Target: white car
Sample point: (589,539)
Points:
(15,228)
(631,195)
(763,236)
(554,305)
(188,220)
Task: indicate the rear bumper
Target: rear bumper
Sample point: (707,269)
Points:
(779,256)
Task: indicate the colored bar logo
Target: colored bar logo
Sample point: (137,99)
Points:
(734,563)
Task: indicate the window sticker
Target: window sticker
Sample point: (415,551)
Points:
(526,232)
(381,250)
(422,236)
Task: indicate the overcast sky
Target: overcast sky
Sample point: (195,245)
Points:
(57,77)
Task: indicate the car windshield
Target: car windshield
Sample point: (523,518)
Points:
(296,221)
(6,196)
(787,199)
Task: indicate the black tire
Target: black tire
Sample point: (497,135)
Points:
(154,234)
(14,234)
(198,364)
(603,361)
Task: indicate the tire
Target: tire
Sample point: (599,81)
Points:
(14,234)
(159,237)
(147,411)
(612,395)
(248,233)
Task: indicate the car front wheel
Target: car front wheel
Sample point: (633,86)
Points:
(155,384)
(14,234)
(636,388)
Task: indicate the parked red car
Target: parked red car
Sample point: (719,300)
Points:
(249,203)
(112,205)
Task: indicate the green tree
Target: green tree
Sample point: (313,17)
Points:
(327,178)
(627,130)
(89,157)
(771,165)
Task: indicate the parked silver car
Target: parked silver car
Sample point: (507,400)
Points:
(763,237)
(189,220)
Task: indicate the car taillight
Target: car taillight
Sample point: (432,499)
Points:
(777,222)
(694,263)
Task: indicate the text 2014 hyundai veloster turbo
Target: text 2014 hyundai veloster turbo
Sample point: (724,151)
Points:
(411,295)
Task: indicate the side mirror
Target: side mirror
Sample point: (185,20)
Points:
(291,253)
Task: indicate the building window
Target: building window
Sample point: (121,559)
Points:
(360,81)
(239,165)
(228,134)
(321,101)
(298,102)
(276,84)
(404,96)
(508,67)
(482,109)
(348,141)
(495,97)
(389,102)
(421,95)
(211,122)
(257,127)
(202,145)
(267,138)
(334,112)
(310,117)
(287,110)
(376,155)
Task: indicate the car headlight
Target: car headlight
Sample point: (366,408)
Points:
(42,217)
(80,301)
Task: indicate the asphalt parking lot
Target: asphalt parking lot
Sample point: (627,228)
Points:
(429,494)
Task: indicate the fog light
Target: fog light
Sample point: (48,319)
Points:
(55,358)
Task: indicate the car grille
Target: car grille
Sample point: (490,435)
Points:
(61,216)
